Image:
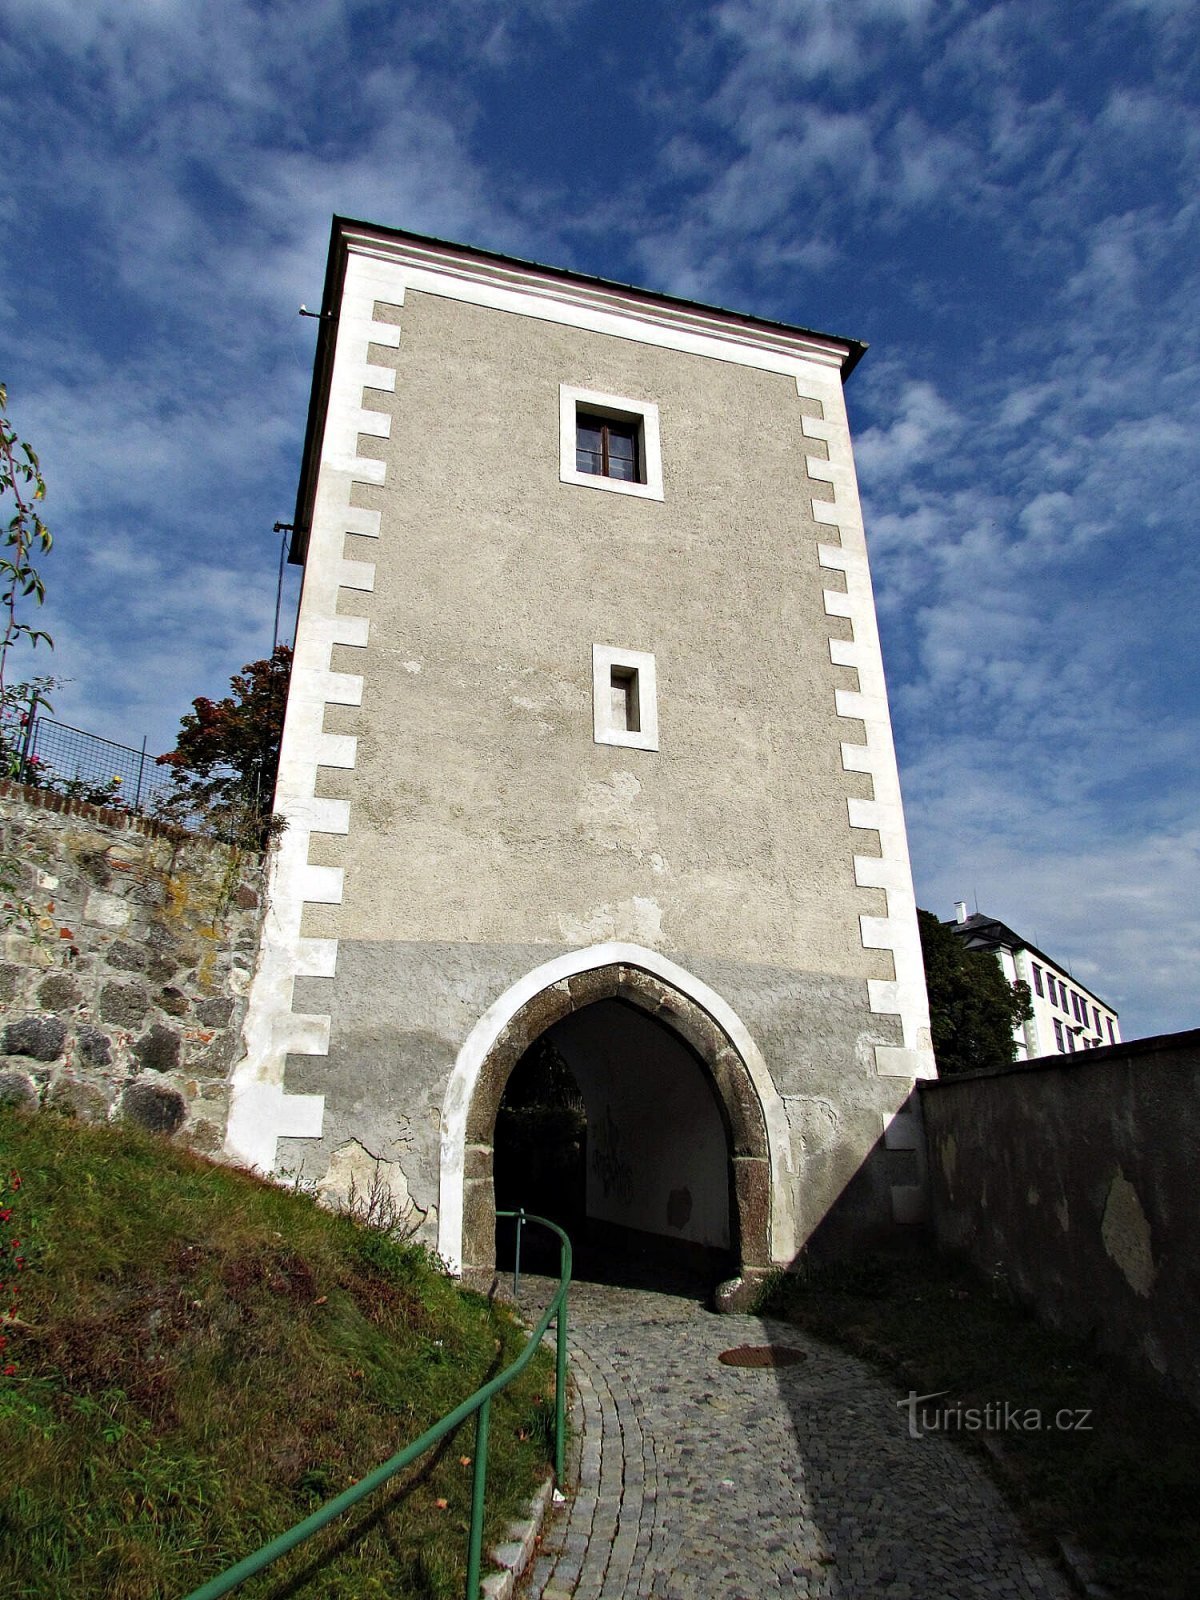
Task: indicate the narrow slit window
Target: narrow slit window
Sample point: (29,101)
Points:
(624,697)
(626,709)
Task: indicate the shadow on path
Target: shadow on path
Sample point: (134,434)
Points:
(694,1479)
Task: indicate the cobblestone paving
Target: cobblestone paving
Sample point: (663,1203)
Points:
(698,1481)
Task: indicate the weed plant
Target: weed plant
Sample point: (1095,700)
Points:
(202,1359)
(1125,1488)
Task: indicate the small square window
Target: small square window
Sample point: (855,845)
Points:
(624,697)
(608,441)
(608,447)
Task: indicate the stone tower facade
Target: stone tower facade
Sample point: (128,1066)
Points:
(587,733)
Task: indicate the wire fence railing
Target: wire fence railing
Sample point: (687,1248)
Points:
(45,754)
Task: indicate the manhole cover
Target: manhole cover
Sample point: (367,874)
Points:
(762,1355)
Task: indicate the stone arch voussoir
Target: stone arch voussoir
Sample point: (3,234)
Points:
(719,1057)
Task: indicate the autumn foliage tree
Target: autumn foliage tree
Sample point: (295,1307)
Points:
(226,754)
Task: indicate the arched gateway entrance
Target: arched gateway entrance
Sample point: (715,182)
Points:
(731,1078)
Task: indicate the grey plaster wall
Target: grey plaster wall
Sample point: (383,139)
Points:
(483,810)
(1076,1179)
(401,1011)
(489,832)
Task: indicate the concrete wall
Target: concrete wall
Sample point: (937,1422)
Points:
(456,825)
(127,997)
(1076,1179)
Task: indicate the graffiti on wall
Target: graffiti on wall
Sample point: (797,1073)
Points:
(609,1164)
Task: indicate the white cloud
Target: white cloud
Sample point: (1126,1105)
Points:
(923,426)
(811,39)
(1003,205)
(170,453)
(1120,910)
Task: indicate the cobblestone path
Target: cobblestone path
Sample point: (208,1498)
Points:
(698,1481)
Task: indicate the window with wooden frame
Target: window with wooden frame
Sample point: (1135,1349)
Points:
(608,446)
(609,441)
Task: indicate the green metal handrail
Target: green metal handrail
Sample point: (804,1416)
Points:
(480,1401)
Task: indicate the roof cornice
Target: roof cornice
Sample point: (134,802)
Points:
(603,294)
(502,275)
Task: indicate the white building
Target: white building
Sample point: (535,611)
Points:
(1066,1015)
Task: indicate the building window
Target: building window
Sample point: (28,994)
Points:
(1112,1038)
(1037,977)
(1051,990)
(608,441)
(608,447)
(624,697)
(1058,1037)
(1075,1007)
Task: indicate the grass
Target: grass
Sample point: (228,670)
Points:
(202,1359)
(1125,1488)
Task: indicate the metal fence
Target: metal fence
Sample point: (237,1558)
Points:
(52,755)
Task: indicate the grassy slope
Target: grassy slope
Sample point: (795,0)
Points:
(203,1359)
(1128,1488)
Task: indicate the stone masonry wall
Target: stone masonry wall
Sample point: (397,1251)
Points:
(128,1000)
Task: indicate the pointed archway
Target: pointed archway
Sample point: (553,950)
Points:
(749,1108)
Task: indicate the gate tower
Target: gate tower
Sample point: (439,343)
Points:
(587,732)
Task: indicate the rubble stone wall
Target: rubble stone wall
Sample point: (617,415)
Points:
(125,956)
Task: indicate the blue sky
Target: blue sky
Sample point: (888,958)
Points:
(1001,198)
